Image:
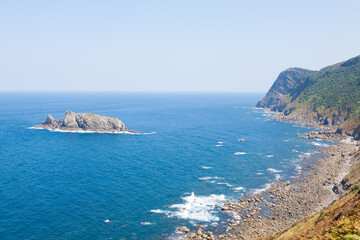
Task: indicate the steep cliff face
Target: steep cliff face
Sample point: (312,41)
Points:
(330,96)
(282,86)
(84,122)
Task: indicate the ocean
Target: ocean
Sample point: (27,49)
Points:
(187,159)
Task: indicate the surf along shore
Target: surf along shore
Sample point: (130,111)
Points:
(319,183)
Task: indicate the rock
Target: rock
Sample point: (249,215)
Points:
(336,190)
(183,229)
(70,120)
(241,140)
(298,134)
(199,231)
(51,121)
(192,236)
(283,85)
(225,208)
(84,122)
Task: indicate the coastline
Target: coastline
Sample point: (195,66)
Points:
(284,203)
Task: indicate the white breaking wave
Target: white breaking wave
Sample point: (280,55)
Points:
(209,178)
(159,211)
(259,173)
(277,176)
(320,144)
(240,153)
(220,142)
(204,167)
(219,145)
(303,155)
(146,223)
(257,191)
(272,170)
(269,156)
(36,128)
(238,188)
(149,133)
(196,208)
(205,178)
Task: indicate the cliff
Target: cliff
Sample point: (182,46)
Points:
(330,96)
(85,122)
(282,86)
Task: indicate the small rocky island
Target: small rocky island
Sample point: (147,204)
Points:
(85,122)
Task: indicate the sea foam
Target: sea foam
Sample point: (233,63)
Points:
(238,188)
(260,190)
(320,144)
(146,223)
(204,167)
(196,208)
(272,170)
(240,153)
(149,133)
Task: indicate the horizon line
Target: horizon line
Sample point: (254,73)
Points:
(109,91)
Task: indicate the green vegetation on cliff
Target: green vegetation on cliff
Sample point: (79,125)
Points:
(330,96)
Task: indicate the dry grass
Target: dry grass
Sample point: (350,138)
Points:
(340,220)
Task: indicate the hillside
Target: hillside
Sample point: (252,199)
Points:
(340,220)
(282,86)
(330,96)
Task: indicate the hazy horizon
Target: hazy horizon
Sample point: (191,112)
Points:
(159,46)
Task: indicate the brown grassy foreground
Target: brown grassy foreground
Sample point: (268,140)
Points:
(340,220)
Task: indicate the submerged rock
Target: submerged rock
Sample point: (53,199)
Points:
(183,229)
(85,122)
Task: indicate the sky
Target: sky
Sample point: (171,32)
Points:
(167,46)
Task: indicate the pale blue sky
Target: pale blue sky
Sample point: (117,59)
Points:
(236,46)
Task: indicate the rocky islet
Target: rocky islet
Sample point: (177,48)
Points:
(87,122)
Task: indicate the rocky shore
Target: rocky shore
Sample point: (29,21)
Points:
(284,203)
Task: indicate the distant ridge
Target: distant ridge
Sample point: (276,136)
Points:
(330,96)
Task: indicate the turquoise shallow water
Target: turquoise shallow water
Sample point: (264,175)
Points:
(56,185)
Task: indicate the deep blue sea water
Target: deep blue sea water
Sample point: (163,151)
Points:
(56,185)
